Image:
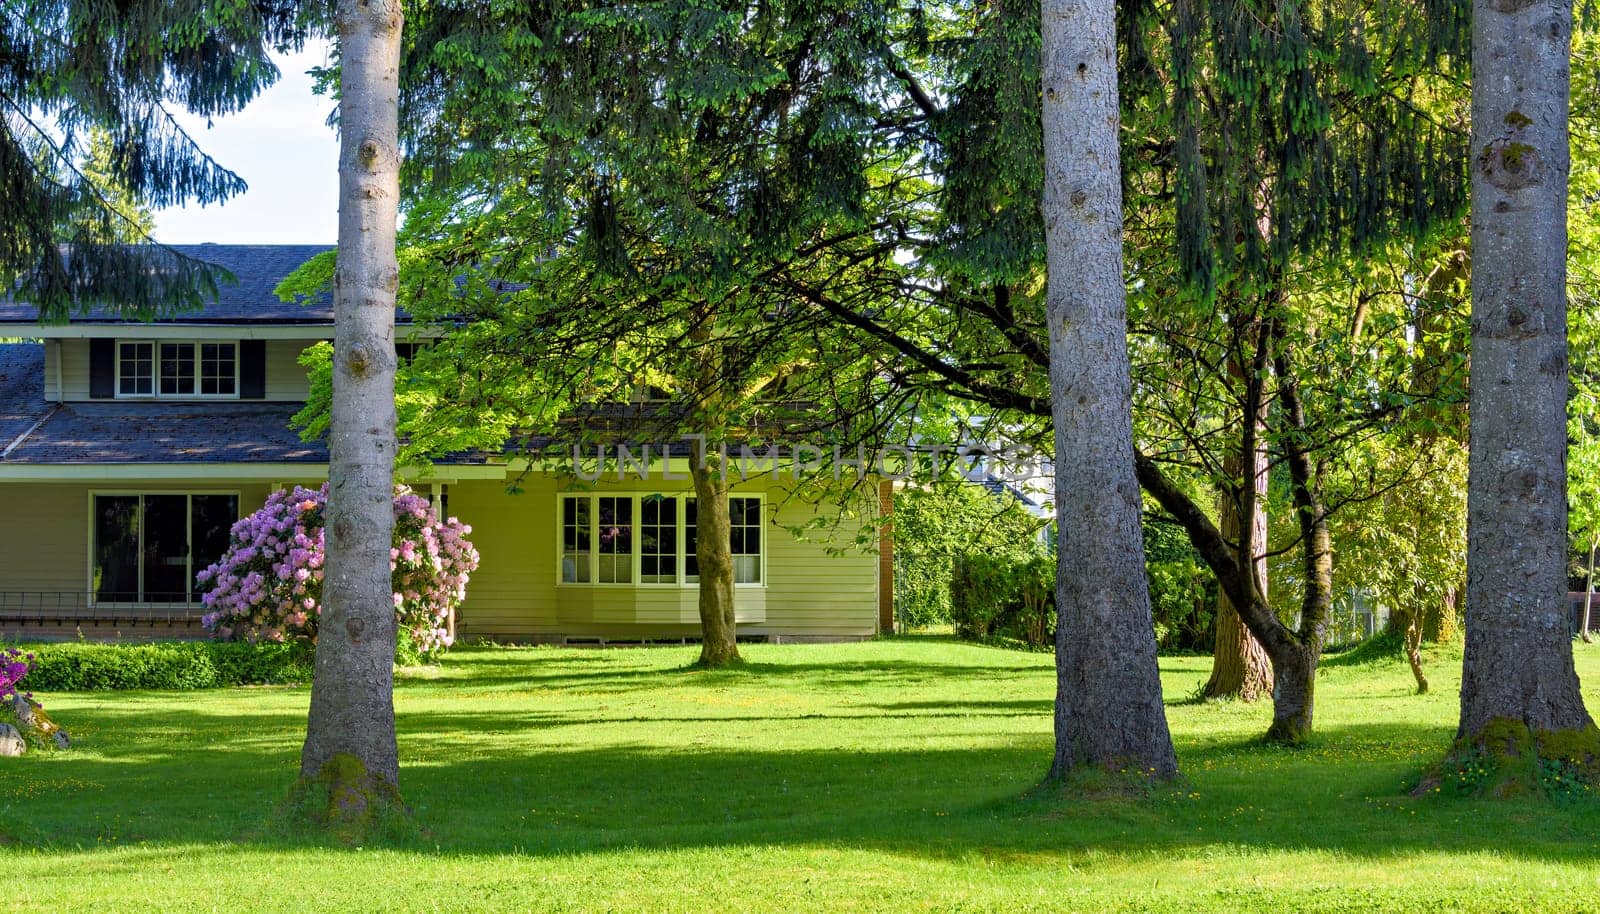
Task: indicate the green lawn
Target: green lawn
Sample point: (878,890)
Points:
(881,776)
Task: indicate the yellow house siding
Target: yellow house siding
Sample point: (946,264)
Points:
(515,594)
(54,554)
(74,369)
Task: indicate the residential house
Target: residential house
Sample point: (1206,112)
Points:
(128,449)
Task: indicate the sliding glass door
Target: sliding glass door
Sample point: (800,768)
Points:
(147,548)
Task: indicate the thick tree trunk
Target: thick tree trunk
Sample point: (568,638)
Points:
(1109,713)
(719,645)
(350,732)
(1518,668)
(1240,667)
(1294,695)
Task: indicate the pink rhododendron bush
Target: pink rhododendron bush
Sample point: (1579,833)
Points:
(268,585)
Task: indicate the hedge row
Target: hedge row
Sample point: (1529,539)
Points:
(77,667)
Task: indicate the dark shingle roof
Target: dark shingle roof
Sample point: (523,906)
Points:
(113,432)
(21,389)
(258,267)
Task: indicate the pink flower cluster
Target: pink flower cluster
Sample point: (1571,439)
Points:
(14,665)
(268,585)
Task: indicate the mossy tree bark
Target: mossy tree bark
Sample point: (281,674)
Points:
(1518,664)
(1109,714)
(351,724)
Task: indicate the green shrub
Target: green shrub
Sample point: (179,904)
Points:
(77,667)
(934,524)
(1004,597)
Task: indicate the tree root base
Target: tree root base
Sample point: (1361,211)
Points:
(1507,760)
(1093,782)
(345,802)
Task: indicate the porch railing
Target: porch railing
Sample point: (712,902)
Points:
(55,607)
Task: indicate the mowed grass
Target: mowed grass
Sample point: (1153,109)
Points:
(886,776)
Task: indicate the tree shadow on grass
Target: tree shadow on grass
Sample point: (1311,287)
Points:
(478,793)
(629,677)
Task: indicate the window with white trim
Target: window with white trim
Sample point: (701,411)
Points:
(651,539)
(576,535)
(658,539)
(146,548)
(177,368)
(136,369)
(744,529)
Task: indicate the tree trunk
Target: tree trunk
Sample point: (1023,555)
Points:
(1240,667)
(1588,596)
(1441,620)
(719,645)
(1109,714)
(1518,670)
(1296,667)
(1408,626)
(350,733)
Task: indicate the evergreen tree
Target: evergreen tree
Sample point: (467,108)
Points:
(83,79)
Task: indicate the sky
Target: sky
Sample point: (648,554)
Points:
(283,147)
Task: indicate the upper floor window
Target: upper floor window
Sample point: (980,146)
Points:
(148,368)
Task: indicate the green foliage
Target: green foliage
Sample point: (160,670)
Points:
(1005,598)
(88,89)
(1183,592)
(934,526)
(1583,278)
(80,667)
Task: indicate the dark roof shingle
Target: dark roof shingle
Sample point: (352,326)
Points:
(21,389)
(122,432)
(258,267)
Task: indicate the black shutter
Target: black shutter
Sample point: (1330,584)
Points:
(102,369)
(252,369)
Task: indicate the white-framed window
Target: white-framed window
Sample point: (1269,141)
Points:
(650,539)
(136,370)
(744,530)
(576,537)
(658,539)
(177,368)
(145,547)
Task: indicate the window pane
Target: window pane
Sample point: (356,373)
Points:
(691,561)
(218,362)
(615,532)
(166,549)
(744,534)
(136,369)
(177,369)
(575,539)
(116,548)
(658,539)
(211,518)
